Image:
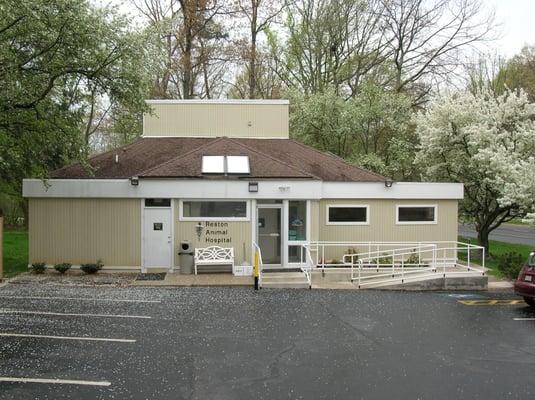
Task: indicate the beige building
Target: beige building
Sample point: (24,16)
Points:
(224,173)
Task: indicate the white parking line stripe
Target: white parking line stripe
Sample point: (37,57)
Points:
(524,319)
(79,299)
(53,381)
(4,311)
(90,339)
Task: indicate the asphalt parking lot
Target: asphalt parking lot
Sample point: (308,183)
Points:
(233,343)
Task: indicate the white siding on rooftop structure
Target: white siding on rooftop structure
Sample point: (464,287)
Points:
(240,118)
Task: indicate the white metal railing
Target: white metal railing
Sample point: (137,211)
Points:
(256,248)
(394,260)
(306,264)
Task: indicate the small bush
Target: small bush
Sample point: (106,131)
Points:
(92,268)
(509,264)
(38,268)
(412,258)
(385,260)
(62,268)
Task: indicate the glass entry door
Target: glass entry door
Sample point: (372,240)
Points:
(269,226)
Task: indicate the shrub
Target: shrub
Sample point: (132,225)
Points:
(412,258)
(62,268)
(92,268)
(38,268)
(385,259)
(509,264)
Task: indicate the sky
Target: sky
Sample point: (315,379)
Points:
(518,24)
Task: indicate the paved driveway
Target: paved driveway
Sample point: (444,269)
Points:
(233,343)
(508,233)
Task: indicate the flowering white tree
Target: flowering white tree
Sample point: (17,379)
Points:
(486,142)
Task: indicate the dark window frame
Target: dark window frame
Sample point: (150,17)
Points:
(412,220)
(348,221)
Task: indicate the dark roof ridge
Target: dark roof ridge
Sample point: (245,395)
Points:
(338,157)
(215,140)
(273,158)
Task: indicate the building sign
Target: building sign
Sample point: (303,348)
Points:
(216,233)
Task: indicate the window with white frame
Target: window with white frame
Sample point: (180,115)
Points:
(416,214)
(205,210)
(357,214)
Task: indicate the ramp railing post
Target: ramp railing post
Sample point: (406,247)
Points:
(256,269)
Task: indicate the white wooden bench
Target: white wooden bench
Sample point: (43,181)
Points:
(214,255)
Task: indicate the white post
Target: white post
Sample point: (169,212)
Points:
(393,254)
(322,258)
(444,261)
(483,260)
(469,245)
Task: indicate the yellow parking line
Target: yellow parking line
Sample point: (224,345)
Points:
(490,302)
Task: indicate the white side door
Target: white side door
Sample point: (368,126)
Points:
(157,238)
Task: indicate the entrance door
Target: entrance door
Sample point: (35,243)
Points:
(269,234)
(157,243)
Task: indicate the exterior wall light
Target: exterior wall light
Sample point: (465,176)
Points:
(134,181)
(199,228)
(388,183)
(253,187)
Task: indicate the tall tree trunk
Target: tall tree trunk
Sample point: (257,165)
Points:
(252,56)
(483,237)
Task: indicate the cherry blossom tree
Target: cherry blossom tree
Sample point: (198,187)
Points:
(486,142)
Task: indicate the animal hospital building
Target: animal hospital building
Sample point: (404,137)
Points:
(224,173)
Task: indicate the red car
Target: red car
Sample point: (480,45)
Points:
(525,283)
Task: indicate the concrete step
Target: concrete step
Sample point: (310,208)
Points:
(285,280)
(284,285)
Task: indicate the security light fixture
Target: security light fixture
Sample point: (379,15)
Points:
(253,187)
(134,181)
(388,183)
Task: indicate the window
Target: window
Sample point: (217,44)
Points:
(225,165)
(213,164)
(347,214)
(218,210)
(297,220)
(238,165)
(417,214)
(294,254)
(157,202)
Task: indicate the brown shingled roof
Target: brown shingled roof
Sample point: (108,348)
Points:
(180,157)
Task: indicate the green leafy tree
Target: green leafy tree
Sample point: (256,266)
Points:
(372,130)
(486,142)
(64,66)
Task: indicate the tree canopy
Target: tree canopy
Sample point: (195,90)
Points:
(486,142)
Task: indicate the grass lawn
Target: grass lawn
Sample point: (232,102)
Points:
(497,248)
(15,252)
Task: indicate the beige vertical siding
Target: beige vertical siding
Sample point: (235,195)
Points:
(210,119)
(84,230)
(239,234)
(383,227)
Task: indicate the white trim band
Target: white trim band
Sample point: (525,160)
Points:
(207,189)
(220,101)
